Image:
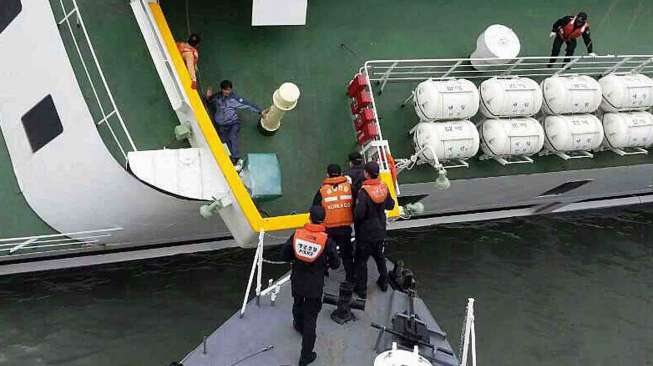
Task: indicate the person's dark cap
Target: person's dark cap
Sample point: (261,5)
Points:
(333,170)
(317,214)
(194,39)
(582,16)
(355,157)
(372,168)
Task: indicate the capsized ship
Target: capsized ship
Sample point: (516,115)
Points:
(109,154)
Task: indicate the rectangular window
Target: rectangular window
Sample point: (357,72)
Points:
(9,9)
(42,123)
(565,187)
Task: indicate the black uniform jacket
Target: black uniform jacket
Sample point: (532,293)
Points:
(308,278)
(369,217)
(357,177)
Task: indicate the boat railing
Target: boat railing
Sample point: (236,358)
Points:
(257,272)
(55,241)
(468,336)
(383,72)
(101,93)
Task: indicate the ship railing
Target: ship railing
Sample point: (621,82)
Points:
(468,336)
(382,72)
(107,113)
(56,241)
(257,273)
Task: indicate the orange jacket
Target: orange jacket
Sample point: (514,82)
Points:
(337,201)
(309,242)
(184,47)
(376,189)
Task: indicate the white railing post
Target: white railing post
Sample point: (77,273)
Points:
(259,273)
(567,66)
(616,66)
(469,336)
(384,78)
(256,264)
(641,66)
(452,69)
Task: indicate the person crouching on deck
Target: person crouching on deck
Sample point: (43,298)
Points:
(310,251)
(225,104)
(191,56)
(566,30)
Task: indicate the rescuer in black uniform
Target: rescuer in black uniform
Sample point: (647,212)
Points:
(370,226)
(310,251)
(335,196)
(355,173)
(566,30)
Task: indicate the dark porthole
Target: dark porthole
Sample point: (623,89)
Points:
(9,10)
(42,123)
(566,187)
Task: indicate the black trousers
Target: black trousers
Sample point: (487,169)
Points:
(365,249)
(346,253)
(304,313)
(557,45)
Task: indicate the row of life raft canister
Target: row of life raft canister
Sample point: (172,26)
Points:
(508,104)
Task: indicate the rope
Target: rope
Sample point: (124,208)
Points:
(264,349)
(274,262)
(187,18)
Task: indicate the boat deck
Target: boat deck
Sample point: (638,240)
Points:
(320,58)
(242,341)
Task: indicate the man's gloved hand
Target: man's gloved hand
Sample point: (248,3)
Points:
(592,54)
(194,84)
(552,34)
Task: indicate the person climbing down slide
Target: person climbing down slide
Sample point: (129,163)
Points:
(191,56)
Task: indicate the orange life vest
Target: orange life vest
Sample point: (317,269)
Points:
(376,189)
(309,242)
(569,32)
(184,47)
(337,202)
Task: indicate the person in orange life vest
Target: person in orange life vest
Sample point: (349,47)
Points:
(191,56)
(335,196)
(370,227)
(311,251)
(566,30)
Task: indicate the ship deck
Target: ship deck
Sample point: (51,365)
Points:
(320,58)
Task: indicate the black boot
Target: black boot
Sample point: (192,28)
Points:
(303,361)
(297,327)
(383,285)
